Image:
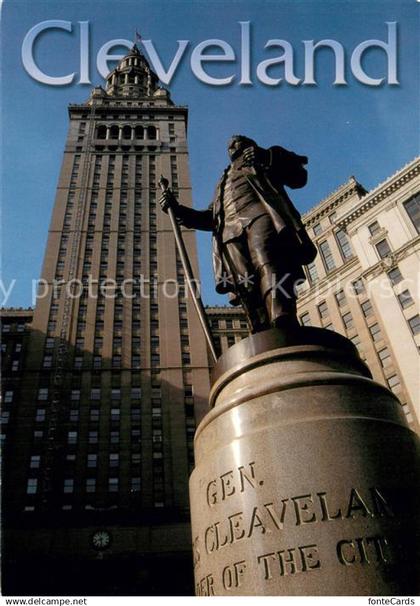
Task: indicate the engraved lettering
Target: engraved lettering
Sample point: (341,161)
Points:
(381,545)
(218,541)
(362,549)
(244,476)
(267,567)
(345,552)
(287,564)
(256,522)
(205,586)
(380,505)
(227,488)
(309,557)
(235,523)
(356,504)
(212,493)
(278,521)
(326,516)
(232,574)
(210,540)
(303,512)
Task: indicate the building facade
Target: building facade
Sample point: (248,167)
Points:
(99,447)
(364,282)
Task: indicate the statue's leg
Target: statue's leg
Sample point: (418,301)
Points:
(275,272)
(246,282)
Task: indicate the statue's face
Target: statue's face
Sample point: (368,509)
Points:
(237,145)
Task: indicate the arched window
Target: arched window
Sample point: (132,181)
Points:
(101,132)
(114,132)
(139,132)
(126,132)
(151,132)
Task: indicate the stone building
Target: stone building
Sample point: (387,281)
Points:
(100,441)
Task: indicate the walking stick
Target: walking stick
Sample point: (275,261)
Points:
(163,183)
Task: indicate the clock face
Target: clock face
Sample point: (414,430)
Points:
(101,539)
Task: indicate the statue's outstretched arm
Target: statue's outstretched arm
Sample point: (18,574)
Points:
(189,217)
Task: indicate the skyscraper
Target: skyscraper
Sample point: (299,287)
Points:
(99,444)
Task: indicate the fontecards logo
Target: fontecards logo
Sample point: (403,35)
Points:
(238,65)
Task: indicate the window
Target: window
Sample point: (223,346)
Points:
(114,460)
(40,415)
(323,310)
(358,286)
(95,393)
(412,208)
(317,229)
(72,437)
(68,485)
(395,276)
(8,397)
(344,244)
(375,332)
(135,484)
(93,437)
(35,462)
(113,484)
(348,320)
(327,255)
(414,323)
(115,394)
(90,485)
(74,415)
(385,357)
(75,394)
(114,437)
(136,458)
(38,435)
(32,486)
(367,308)
(135,393)
(312,272)
(340,297)
(47,362)
(115,414)
(394,384)
(92,460)
(405,299)
(135,415)
(94,414)
(305,319)
(383,248)
(374,228)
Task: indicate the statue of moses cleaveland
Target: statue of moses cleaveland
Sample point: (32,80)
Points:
(259,241)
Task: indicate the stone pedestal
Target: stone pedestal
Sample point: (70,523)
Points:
(305,474)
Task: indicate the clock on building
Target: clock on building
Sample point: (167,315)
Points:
(101,539)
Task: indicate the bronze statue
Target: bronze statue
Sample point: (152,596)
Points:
(259,241)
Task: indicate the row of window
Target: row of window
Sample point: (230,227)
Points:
(90,485)
(126,132)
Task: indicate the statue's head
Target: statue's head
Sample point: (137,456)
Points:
(237,144)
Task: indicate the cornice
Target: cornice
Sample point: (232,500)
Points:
(333,200)
(382,191)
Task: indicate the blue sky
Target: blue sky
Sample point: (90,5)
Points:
(368,132)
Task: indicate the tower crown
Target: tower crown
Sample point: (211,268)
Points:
(133,77)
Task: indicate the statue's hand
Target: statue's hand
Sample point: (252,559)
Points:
(255,157)
(167,200)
